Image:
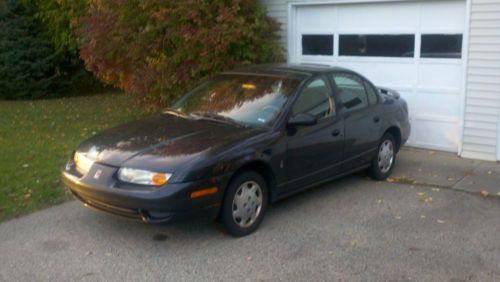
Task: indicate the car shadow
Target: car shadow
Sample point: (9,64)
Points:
(194,229)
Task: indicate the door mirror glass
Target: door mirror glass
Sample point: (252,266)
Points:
(302,120)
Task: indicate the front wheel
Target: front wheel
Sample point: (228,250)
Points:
(383,163)
(244,204)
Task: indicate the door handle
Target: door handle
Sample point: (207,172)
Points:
(336,132)
(376,119)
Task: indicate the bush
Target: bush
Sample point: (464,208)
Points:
(60,17)
(156,49)
(30,66)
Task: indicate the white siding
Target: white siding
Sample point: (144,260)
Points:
(482,103)
(278,9)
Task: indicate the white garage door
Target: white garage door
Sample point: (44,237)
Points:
(415,48)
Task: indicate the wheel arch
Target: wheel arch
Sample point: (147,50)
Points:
(264,169)
(396,133)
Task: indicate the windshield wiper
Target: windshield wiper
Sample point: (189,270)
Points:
(175,112)
(215,117)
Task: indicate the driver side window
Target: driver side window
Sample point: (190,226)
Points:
(315,99)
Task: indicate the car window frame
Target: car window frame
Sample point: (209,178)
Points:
(342,108)
(375,89)
(333,112)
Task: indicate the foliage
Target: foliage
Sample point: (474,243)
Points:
(26,58)
(37,138)
(36,61)
(157,48)
(61,19)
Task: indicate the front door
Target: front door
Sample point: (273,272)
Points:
(314,152)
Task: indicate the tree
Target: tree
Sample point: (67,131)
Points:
(157,49)
(30,66)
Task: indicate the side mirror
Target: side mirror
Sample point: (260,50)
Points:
(302,120)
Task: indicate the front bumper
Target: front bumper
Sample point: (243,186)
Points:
(149,204)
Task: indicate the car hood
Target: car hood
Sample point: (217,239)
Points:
(162,141)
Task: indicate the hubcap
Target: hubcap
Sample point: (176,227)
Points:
(385,156)
(247,204)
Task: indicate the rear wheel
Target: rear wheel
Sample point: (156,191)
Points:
(383,163)
(244,204)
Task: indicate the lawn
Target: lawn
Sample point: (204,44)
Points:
(36,139)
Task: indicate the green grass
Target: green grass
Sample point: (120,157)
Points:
(37,138)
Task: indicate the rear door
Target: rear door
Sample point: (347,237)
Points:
(359,109)
(314,152)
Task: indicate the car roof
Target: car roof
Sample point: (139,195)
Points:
(295,71)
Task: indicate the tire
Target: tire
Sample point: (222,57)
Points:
(383,163)
(244,204)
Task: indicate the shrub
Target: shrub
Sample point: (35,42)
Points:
(156,49)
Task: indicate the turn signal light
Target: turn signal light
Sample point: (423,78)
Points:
(159,179)
(204,192)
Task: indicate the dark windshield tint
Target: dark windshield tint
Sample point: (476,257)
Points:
(247,99)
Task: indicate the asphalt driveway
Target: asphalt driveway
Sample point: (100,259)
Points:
(351,229)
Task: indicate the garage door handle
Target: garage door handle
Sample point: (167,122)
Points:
(336,132)
(376,119)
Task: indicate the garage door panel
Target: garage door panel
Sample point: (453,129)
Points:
(439,106)
(441,76)
(432,18)
(387,74)
(324,17)
(388,17)
(435,135)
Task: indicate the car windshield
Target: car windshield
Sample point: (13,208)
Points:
(243,99)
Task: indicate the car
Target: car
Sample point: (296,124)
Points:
(239,141)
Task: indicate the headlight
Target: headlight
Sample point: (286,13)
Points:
(82,163)
(145,177)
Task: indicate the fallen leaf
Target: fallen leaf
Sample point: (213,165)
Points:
(450,179)
(379,201)
(26,165)
(389,179)
(440,221)
(420,193)
(422,216)
(498,193)
(427,200)
(108,254)
(249,258)
(353,243)
(436,189)
(485,193)
(490,172)
(87,253)
(397,217)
